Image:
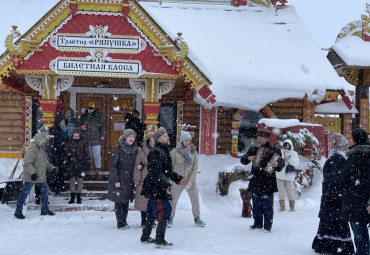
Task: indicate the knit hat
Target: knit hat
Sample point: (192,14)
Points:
(359,136)
(161,131)
(263,133)
(127,133)
(184,136)
(43,129)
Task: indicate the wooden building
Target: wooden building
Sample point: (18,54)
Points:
(120,55)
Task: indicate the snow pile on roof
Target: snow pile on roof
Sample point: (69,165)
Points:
(279,123)
(336,107)
(353,51)
(254,56)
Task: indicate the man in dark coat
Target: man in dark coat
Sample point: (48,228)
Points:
(262,183)
(356,191)
(157,188)
(120,183)
(133,122)
(57,152)
(93,130)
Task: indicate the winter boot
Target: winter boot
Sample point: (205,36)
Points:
(38,201)
(50,213)
(19,216)
(170,223)
(292,205)
(143,218)
(282,205)
(72,200)
(79,198)
(199,222)
(161,232)
(147,230)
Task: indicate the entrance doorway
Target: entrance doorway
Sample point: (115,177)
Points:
(113,109)
(168,120)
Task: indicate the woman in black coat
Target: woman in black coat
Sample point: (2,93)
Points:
(77,163)
(120,183)
(333,235)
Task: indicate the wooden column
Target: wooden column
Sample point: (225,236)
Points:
(308,111)
(347,126)
(151,110)
(48,107)
(207,132)
(362,98)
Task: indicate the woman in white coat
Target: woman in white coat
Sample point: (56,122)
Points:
(285,178)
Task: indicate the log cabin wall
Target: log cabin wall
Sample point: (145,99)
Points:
(224,126)
(288,109)
(11,121)
(191,110)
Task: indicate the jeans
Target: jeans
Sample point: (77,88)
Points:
(361,237)
(26,191)
(263,209)
(96,153)
(159,209)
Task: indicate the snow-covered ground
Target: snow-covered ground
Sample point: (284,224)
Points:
(226,232)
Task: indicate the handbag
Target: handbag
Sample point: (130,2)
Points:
(289,168)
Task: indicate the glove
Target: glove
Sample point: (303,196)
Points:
(189,185)
(34,177)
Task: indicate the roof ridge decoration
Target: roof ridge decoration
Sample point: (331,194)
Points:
(192,75)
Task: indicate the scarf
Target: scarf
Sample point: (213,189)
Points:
(186,152)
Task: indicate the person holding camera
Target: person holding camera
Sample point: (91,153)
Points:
(77,163)
(35,165)
(285,178)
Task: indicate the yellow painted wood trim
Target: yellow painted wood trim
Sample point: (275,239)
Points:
(40,72)
(96,7)
(155,92)
(9,154)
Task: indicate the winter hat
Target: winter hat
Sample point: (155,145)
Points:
(359,136)
(161,131)
(127,133)
(263,133)
(43,129)
(77,130)
(184,136)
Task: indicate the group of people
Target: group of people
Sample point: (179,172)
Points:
(154,177)
(345,200)
(63,150)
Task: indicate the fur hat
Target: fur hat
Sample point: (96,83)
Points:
(263,133)
(127,133)
(161,131)
(43,129)
(184,136)
(359,136)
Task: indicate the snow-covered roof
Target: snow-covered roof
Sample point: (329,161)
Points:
(279,123)
(353,51)
(253,56)
(336,107)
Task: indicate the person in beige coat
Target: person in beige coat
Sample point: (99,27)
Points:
(285,178)
(141,170)
(185,162)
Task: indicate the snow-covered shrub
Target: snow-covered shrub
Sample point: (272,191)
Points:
(304,178)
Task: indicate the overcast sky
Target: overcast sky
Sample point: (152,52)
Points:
(325,18)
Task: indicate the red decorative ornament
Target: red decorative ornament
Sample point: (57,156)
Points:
(238,3)
(279,4)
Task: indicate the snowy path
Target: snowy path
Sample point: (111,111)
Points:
(91,232)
